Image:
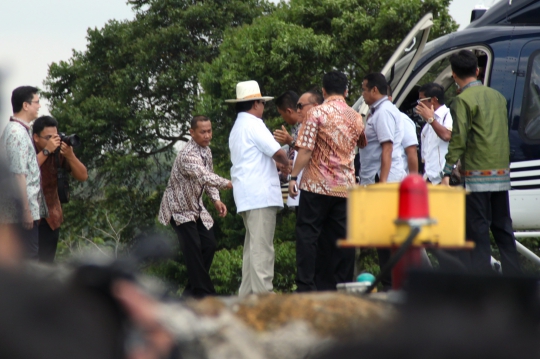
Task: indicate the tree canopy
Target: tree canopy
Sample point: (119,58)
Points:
(130,96)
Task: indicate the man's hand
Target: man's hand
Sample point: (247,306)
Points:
(221,208)
(53,143)
(293,189)
(445,181)
(282,136)
(426,112)
(286,170)
(28,221)
(229,185)
(66,151)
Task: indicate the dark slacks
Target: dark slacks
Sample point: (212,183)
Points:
(321,221)
(48,242)
(485,211)
(30,241)
(198,246)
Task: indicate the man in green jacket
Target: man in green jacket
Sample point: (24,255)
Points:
(480,140)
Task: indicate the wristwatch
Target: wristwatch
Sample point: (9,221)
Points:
(46,152)
(430,120)
(292,178)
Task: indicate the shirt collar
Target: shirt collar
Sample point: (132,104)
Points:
(441,111)
(471,84)
(376,104)
(247,115)
(335,98)
(26,125)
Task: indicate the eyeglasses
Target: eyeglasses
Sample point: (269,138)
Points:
(300,105)
(422,99)
(31,102)
(262,101)
(46,137)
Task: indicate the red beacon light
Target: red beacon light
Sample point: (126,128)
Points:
(413,199)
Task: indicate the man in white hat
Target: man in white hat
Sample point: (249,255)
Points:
(256,186)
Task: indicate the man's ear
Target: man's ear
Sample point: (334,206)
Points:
(191,132)
(35,136)
(325,95)
(477,72)
(346,93)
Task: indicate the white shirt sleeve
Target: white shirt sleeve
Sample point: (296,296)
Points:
(447,121)
(385,127)
(409,132)
(263,140)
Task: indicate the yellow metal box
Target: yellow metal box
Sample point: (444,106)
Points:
(372,211)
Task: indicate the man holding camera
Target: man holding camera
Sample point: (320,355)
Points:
(54,154)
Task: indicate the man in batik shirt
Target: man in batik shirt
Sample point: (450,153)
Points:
(182,206)
(325,144)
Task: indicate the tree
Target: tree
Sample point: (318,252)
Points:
(130,96)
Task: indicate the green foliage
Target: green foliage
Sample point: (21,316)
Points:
(130,97)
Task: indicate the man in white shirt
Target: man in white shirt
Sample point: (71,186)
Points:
(383,154)
(436,133)
(256,187)
(384,132)
(409,142)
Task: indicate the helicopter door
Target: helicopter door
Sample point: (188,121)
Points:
(402,62)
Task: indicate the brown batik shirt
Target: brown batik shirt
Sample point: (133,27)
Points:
(49,184)
(191,175)
(331,132)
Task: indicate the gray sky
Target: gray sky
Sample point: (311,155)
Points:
(35,33)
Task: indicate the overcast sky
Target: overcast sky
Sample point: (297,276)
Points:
(35,33)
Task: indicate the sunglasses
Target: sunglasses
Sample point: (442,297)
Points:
(422,99)
(300,106)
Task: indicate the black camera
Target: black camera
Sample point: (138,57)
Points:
(71,140)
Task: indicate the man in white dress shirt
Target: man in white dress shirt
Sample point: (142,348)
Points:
(409,141)
(384,131)
(436,133)
(256,187)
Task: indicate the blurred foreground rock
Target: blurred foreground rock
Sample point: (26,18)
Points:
(285,326)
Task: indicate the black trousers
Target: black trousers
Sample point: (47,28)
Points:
(487,211)
(321,221)
(198,246)
(30,241)
(48,242)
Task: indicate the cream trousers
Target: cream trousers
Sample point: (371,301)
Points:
(258,259)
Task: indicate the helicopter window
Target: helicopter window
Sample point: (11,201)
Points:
(530,111)
(530,15)
(439,71)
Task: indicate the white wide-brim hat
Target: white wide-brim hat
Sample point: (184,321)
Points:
(248,91)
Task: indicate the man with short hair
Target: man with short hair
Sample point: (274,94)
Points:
(409,141)
(325,145)
(17,143)
(303,104)
(257,191)
(384,131)
(480,140)
(286,106)
(381,160)
(52,154)
(182,206)
(437,131)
